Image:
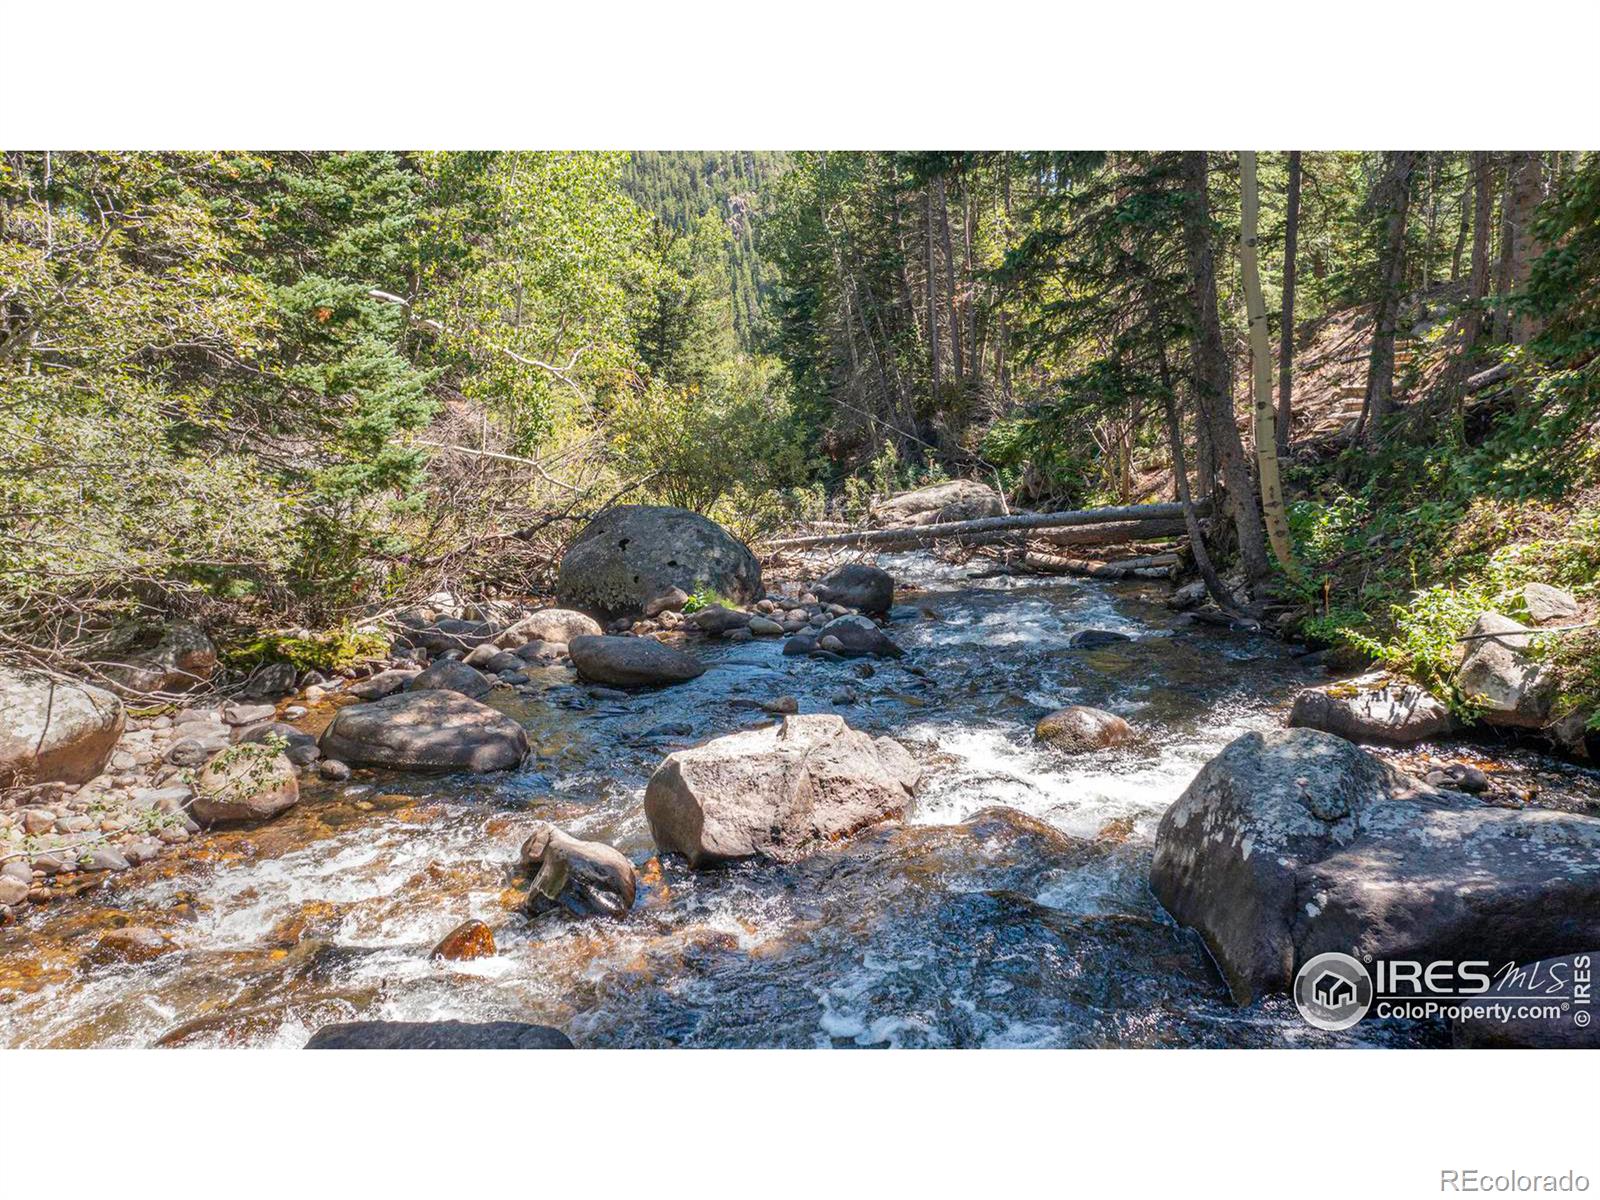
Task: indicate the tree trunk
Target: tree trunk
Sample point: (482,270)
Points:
(1180,479)
(1213,385)
(1393,197)
(1140,517)
(1502,274)
(1482,235)
(1463,228)
(1291,235)
(956,366)
(1261,367)
(933,295)
(1526,189)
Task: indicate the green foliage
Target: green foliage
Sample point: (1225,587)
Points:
(326,651)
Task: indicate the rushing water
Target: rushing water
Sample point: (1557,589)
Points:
(965,926)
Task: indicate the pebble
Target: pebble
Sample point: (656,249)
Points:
(765,627)
(248,714)
(37,820)
(18,870)
(781,705)
(332,768)
(13,891)
(294,712)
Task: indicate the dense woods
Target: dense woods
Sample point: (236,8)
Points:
(288,391)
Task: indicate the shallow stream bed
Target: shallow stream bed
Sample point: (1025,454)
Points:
(965,926)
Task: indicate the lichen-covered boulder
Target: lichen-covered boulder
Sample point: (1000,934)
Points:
(54,730)
(777,792)
(629,555)
(174,657)
(449,675)
(430,730)
(247,782)
(1497,673)
(857,585)
(557,626)
(632,662)
(1295,842)
(1373,708)
(1078,729)
(957,500)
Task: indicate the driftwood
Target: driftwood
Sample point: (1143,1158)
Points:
(988,529)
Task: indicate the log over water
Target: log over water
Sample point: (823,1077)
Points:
(986,529)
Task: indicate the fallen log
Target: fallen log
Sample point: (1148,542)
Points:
(985,529)
(1114,533)
(1149,566)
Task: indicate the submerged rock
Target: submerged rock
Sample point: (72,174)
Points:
(133,944)
(53,729)
(1372,708)
(776,792)
(1078,728)
(632,661)
(585,878)
(468,940)
(425,730)
(1291,843)
(629,555)
(1089,639)
(438,1035)
(1497,674)
(858,585)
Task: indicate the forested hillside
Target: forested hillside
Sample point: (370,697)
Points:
(686,187)
(284,392)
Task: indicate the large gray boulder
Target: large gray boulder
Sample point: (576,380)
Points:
(1373,708)
(776,792)
(1528,991)
(247,782)
(958,500)
(438,1035)
(1499,675)
(857,585)
(585,878)
(54,729)
(632,661)
(858,638)
(557,626)
(174,657)
(1295,842)
(427,730)
(449,675)
(628,556)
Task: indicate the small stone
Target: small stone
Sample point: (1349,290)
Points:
(831,643)
(470,939)
(37,820)
(332,768)
(738,635)
(765,627)
(17,869)
(142,851)
(843,698)
(13,891)
(1546,603)
(294,712)
(781,705)
(103,859)
(247,714)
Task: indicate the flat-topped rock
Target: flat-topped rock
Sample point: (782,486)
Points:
(430,730)
(632,661)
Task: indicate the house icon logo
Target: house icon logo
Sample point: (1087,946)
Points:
(1332,991)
